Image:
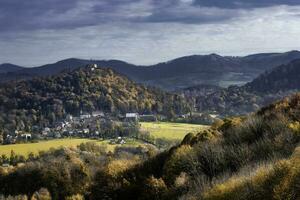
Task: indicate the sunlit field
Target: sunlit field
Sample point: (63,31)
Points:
(25,149)
(170,130)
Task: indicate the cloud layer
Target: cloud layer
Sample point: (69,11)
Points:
(143,31)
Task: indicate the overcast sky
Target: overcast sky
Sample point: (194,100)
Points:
(35,32)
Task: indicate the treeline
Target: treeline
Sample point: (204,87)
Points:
(42,101)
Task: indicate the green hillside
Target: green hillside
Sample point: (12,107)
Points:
(43,101)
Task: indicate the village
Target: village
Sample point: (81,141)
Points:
(95,125)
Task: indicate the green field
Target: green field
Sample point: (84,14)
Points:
(25,149)
(156,129)
(170,130)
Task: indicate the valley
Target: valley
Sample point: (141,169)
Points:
(100,135)
(149,100)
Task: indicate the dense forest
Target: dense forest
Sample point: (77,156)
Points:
(251,157)
(43,101)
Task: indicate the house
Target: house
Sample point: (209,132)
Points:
(132,116)
(26,136)
(46,131)
(120,140)
(86,131)
(59,126)
(98,114)
(17,132)
(93,67)
(148,118)
(85,116)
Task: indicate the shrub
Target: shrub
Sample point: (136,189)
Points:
(182,160)
(281,182)
(154,189)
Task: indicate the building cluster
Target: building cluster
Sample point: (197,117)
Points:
(85,125)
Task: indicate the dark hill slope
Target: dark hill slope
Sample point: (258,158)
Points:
(268,87)
(282,78)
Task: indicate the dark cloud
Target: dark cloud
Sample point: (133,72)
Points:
(208,11)
(20,15)
(232,4)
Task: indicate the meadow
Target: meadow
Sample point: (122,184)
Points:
(27,148)
(168,130)
(171,131)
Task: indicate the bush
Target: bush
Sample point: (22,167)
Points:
(182,160)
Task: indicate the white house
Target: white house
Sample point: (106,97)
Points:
(85,116)
(132,116)
(26,136)
(86,131)
(98,114)
(93,67)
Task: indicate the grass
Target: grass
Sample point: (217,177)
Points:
(170,130)
(174,131)
(26,149)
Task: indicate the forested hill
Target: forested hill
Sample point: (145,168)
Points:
(282,78)
(268,87)
(44,100)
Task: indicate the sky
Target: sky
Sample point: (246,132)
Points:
(36,32)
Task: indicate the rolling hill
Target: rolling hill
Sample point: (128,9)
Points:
(179,73)
(47,99)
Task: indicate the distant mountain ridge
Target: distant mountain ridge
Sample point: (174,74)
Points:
(268,87)
(7,67)
(179,73)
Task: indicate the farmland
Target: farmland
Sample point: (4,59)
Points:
(170,130)
(26,149)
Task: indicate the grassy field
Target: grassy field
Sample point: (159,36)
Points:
(170,130)
(25,149)
(157,129)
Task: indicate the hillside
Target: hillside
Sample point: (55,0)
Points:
(45,100)
(268,87)
(250,157)
(282,78)
(175,74)
(256,154)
